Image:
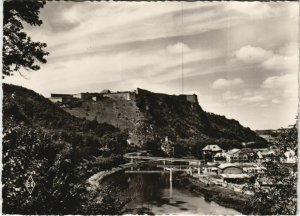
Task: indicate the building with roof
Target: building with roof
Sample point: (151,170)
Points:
(209,151)
(63,98)
(86,96)
(269,155)
(229,168)
(259,157)
(236,178)
(290,156)
(213,148)
(265,182)
(221,157)
(232,151)
(55,98)
(244,155)
(252,168)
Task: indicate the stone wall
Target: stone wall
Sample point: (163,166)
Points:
(192,98)
(120,96)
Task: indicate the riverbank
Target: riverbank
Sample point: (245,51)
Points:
(94,181)
(114,184)
(149,193)
(222,196)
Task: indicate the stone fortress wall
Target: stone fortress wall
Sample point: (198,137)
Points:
(121,95)
(126,95)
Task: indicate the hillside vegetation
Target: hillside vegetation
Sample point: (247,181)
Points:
(57,149)
(152,117)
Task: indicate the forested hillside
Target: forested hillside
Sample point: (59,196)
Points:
(60,151)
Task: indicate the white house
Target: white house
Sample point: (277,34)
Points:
(209,151)
(290,156)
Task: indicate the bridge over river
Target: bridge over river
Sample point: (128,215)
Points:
(137,156)
(167,164)
(168,199)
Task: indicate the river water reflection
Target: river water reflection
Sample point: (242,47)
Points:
(156,193)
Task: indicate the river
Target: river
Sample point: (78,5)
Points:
(158,195)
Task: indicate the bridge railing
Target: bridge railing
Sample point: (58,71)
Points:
(178,166)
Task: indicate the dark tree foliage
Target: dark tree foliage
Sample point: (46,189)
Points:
(19,51)
(275,192)
(58,150)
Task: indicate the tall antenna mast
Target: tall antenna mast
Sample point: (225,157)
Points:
(182,60)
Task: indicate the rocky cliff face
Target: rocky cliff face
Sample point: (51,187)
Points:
(152,117)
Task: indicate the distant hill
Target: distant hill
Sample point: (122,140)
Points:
(259,132)
(57,149)
(152,117)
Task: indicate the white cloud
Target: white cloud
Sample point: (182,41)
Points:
(279,82)
(228,95)
(242,100)
(123,22)
(284,60)
(250,54)
(74,14)
(283,87)
(247,92)
(237,99)
(275,101)
(286,64)
(289,49)
(138,44)
(226,83)
(263,105)
(251,10)
(253,99)
(178,48)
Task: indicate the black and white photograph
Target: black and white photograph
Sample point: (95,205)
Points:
(149,107)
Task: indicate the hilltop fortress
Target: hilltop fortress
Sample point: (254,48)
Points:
(149,117)
(126,110)
(124,95)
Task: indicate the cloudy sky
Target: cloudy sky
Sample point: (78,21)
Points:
(240,58)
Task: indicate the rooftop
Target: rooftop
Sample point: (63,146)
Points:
(246,151)
(226,165)
(221,154)
(235,176)
(212,148)
(233,151)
